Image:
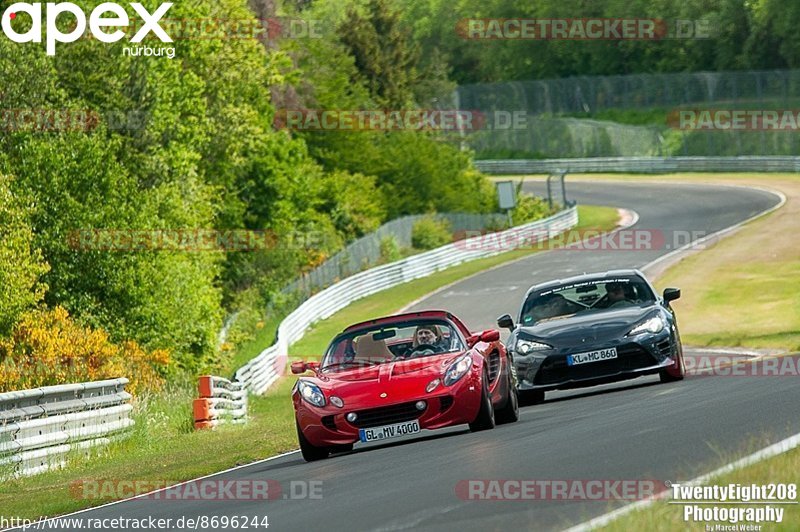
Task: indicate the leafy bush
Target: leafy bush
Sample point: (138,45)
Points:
(390,250)
(47,347)
(430,232)
(530,208)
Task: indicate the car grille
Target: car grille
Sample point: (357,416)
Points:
(664,348)
(386,415)
(630,356)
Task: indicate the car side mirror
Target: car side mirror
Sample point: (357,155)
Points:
(671,294)
(506,322)
(302,367)
(473,339)
(490,335)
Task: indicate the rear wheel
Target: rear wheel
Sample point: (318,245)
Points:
(310,452)
(510,411)
(485,418)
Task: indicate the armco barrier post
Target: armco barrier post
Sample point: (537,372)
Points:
(221,401)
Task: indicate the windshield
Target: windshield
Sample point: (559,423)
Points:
(585,296)
(392,342)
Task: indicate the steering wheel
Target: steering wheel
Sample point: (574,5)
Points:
(424,350)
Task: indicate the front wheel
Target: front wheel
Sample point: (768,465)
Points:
(310,452)
(510,411)
(485,418)
(675,372)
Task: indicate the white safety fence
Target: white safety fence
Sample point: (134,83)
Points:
(40,428)
(651,165)
(259,374)
(221,401)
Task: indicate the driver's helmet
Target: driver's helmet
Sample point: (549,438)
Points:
(437,334)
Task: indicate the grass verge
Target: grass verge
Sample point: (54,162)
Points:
(163,447)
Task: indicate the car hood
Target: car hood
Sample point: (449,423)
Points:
(389,382)
(388,371)
(588,327)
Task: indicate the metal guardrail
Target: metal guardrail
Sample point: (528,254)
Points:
(366,251)
(221,401)
(647,165)
(260,372)
(39,428)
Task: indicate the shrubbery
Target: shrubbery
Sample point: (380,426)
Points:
(430,232)
(46,347)
(530,208)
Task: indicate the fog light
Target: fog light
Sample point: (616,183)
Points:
(351,417)
(421,405)
(432,385)
(337,401)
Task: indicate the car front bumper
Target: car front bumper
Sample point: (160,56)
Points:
(446,406)
(549,370)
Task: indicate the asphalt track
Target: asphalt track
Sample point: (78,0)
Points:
(639,429)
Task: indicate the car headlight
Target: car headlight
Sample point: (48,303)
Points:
(311,393)
(529,346)
(651,325)
(457,369)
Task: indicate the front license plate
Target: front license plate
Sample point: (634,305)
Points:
(592,356)
(388,431)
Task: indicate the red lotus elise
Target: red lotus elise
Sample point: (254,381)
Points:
(395,376)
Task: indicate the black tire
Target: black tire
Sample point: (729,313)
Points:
(531,397)
(310,453)
(670,374)
(510,411)
(667,376)
(485,418)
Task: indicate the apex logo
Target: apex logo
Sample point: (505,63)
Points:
(98,21)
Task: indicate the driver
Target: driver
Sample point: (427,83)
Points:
(428,335)
(616,295)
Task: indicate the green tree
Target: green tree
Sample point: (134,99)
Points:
(21,264)
(385,55)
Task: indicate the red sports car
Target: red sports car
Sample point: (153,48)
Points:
(397,375)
